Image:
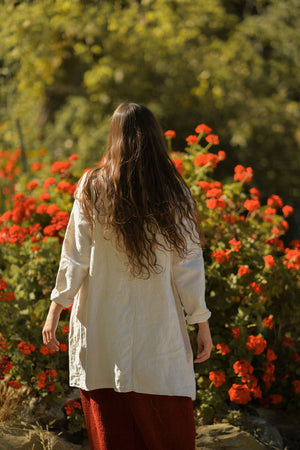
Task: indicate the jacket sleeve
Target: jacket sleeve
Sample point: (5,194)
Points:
(189,280)
(75,258)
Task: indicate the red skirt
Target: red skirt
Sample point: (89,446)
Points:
(134,421)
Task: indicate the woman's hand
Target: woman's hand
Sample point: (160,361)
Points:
(50,327)
(204,342)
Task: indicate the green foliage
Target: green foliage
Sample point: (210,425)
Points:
(252,283)
(65,65)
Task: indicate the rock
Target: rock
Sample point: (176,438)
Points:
(268,434)
(226,436)
(13,437)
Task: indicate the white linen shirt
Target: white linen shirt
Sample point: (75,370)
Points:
(128,333)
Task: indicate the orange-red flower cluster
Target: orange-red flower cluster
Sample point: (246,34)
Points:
(3,344)
(268,322)
(170,134)
(46,380)
(5,366)
(252,204)
(296,384)
(192,139)
(60,166)
(257,344)
(275,201)
(178,164)
(213,139)
(49,182)
(243,174)
(44,350)
(26,348)
(63,347)
(221,255)
(235,244)
(287,210)
(243,270)
(202,128)
(8,164)
(217,377)
(240,394)
(209,159)
(65,186)
(243,368)
(58,222)
(36,166)
(71,405)
(14,384)
(224,349)
(268,377)
(255,287)
(292,258)
(236,332)
(269,261)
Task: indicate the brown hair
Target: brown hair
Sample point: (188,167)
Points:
(138,193)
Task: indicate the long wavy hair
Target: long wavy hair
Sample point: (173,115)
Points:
(138,193)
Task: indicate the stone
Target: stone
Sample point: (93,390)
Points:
(268,434)
(223,436)
(14,437)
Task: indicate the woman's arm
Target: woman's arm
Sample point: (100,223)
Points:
(73,269)
(50,326)
(189,281)
(204,342)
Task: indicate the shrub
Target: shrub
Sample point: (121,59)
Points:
(252,283)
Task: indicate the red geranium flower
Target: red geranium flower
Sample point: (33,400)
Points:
(275,201)
(268,322)
(296,384)
(73,157)
(243,270)
(221,155)
(32,185)
(48,182)
(170,134)
(255,191)
(252,205)
(213,139)
(192,139)
(271,355)
(26,348)
(70,405)
(202,128)
(178,164)
(255,287)
(287,210)
(36,166)
(257,344)
(243,174)
(243,368)
(269,261)
(236,332)
(221,255)
(235,244)
(217,377)
(14,384)
(60,166)
(240,394)
(224,349)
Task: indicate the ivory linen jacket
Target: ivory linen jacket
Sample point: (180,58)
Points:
(128,333)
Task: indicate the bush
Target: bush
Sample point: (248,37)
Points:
(252,283)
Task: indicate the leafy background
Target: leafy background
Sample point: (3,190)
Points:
(65,65)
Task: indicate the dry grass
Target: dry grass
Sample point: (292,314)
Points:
(11,401)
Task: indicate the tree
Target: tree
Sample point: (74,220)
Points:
(67,64)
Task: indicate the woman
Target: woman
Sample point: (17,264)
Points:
(132,259)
